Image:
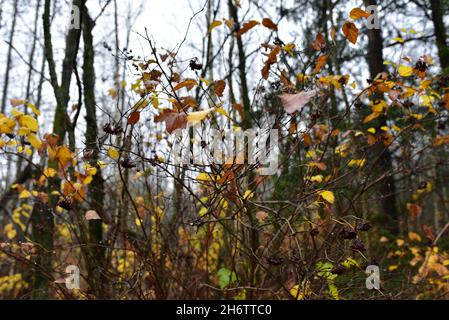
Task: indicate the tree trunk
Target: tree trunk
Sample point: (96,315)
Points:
(8,59)
(387,187)
(440,34)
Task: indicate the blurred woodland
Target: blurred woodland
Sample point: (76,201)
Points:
(358,92)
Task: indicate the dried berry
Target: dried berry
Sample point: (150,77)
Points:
(357,245)
(348,233)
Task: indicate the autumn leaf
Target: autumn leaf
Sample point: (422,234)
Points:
(34,141)
(219,87)
(246,27)
(405,71)
(92,215)
(320,62)
(173,119)
(350,31)
(261,216)
(188,83)
(328,196)
(295,102)
(17,102)
(358,13)
(113,153)
(213,25)
(266,22)
(134,117)
(319,43)
(195,117)
(272,58)
(64,156)
(29,122)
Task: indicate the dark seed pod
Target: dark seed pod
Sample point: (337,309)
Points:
(314,232)
(127,163)
(66,204)
(364,226)
(275,260)
(348,233)
(338,269)
(357,245)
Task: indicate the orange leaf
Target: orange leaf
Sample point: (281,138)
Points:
(188,83)
(319,43)
(358,13)
(246,27)
(320,62)
(266,22)
(350,31)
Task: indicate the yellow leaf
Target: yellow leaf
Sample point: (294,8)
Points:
(64,156)
(25,194)
(392,268)
(113,153)
(318,178)
(248,195)
(371,130)
(35,141)
(29,122)
(371,117)
(398,40)
(214,24)
(49,172)
(7,125)
(405,71)
(198,116)
(9,231)
(34,109)
(328,196)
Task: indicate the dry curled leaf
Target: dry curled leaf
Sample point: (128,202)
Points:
(319,43)
(358,13)
(134,117)
(350,31)
(92,215)
(219,87)
(173,119)
(295,102)
(246,27)
(267,23)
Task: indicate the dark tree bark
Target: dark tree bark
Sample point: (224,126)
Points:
(440,34)
(387,188)
(9,58)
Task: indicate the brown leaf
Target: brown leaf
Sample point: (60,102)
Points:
(266,22)
(350,31)
(92,215)
(219,87)
(295,102)
(320,62)
(173,119)
(428,232)
(246,27)
(272,59)
(319,43)
(414,210)
(134,117)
